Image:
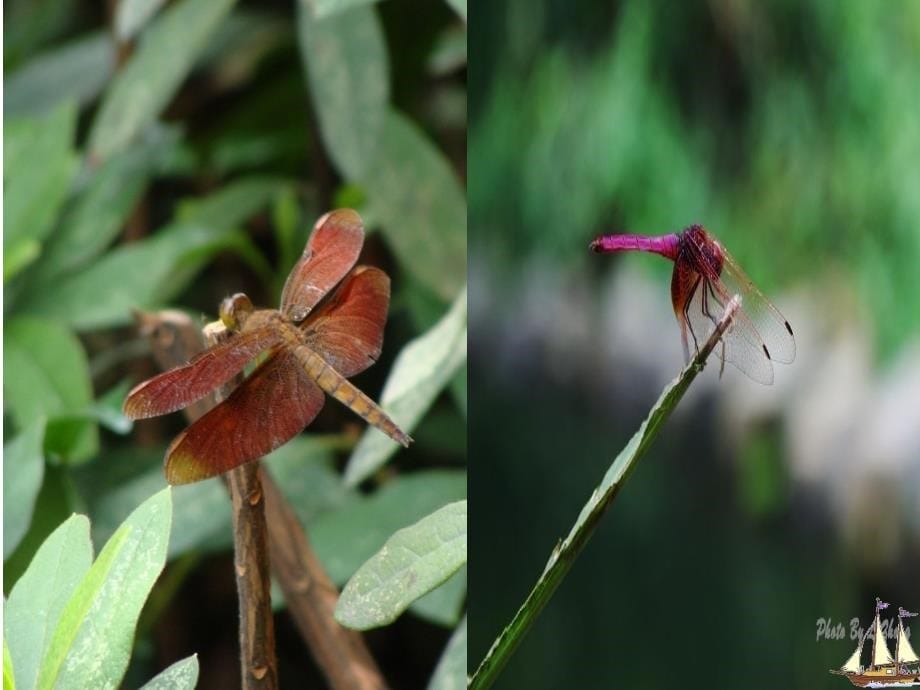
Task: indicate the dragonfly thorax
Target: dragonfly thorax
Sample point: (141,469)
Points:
(703,246)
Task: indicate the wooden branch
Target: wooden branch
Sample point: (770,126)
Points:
(253,584)
(309,592)
(311,597)
(258,665)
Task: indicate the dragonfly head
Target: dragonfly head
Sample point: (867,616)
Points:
(235,310)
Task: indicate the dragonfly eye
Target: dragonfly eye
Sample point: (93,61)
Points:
(235,310)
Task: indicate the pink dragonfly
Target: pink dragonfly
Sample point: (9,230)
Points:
(705,278)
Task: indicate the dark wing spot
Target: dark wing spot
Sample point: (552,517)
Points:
(789,328)
(767,353)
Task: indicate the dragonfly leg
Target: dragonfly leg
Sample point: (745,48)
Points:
(708,292)
(686,320)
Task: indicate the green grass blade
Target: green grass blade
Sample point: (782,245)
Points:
(563,556)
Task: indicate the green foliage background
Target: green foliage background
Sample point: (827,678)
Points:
(167,154)
(789,122)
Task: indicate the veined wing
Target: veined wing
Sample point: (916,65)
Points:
(179,387)
(764,326)
(347,330)
(770,324)
(331,251)
(269,408)
(758,335)
(740,345)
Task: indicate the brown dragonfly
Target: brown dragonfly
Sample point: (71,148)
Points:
(314,343)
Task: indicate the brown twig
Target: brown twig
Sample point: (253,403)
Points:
(309,592)
(311,597)
(258,666)
(253,584)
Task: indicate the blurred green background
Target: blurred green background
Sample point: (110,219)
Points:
(791,131)
(167,154)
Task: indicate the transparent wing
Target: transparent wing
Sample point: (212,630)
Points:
(759,334)
(770,324)
(739,345)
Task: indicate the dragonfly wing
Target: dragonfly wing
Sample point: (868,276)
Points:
(179,387)
(736,347)
(331,252)
(269,408)
(347,330)
(743,343)
(772,327)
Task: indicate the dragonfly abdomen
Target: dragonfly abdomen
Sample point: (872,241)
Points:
(340,388)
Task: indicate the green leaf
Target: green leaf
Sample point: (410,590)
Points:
(75,71)
(182,674)
(92,641)
(19,254)
(239,41)
(420,204)
(125,477)
(420,372)
(108,196)
(107,409)
(449,53)
(201,513)
(9,682)
(450,673)
(52,507)
(459,6)
(345,59)
(36,22)
(146,273)
(38,165)
(23,469)
(234,203)
(132,15)
(151,76)
(305,471)
(347,536)
(443,605)
(287,218)
(47,375)
(39,597)
(412,562)
(324,8)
